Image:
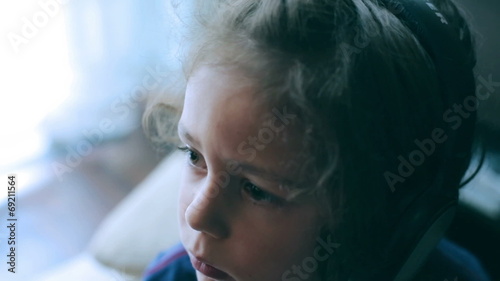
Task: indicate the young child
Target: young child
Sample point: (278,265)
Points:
(300,122)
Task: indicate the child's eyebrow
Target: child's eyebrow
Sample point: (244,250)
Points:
(264,173)
(181,130)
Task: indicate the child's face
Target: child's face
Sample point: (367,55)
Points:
(233,213)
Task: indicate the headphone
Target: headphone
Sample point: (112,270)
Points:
(425,219)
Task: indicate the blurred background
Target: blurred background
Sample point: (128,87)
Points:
(74,79)
(75,76)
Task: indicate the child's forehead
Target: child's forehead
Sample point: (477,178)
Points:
(231,86)
(229,97)
(225,74)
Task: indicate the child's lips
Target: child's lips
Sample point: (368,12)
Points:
(207,269)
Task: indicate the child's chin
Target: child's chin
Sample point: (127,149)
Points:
(201,277)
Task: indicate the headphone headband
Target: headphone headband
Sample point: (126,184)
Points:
(454,60)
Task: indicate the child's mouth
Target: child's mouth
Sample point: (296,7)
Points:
(208,270)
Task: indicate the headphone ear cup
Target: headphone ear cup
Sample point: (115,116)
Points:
(421,245)
(421,227)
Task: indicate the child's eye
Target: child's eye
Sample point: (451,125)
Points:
(259,195)
(193,157)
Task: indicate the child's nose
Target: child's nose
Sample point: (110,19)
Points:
(207,213)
